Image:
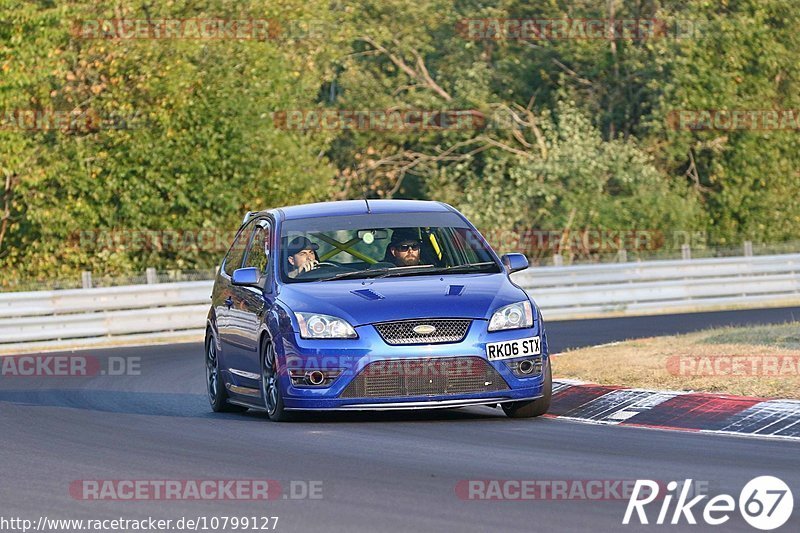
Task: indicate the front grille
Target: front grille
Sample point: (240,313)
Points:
(402,332)
(433,376)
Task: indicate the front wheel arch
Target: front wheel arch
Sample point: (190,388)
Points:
(537,407)
(271,395)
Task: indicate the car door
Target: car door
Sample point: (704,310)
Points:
(224,293)
(251,303)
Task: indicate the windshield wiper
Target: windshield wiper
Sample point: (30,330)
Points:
(353,274)
(469,267)
(430,269)
(411,270)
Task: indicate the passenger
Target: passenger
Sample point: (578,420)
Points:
(404,247)
(302,256)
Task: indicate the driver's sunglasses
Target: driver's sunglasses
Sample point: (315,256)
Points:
(407,247)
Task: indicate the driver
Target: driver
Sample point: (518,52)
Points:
(404,248)
(302,256)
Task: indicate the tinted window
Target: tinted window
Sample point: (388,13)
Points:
(233,259)
(407,244)
(259,251)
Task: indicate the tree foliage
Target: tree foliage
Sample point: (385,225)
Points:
(568,133)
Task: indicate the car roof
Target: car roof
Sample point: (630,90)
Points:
(359,207)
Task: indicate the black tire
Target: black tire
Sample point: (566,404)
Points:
(215,385)
(270,389)
(536,407)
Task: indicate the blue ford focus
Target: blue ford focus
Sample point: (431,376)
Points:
(371,305)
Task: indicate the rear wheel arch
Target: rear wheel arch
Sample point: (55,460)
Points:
(215,381)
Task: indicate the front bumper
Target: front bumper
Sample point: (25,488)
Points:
(353,356)
(411,405)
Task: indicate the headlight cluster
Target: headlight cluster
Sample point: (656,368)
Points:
(317,326)
(514,316)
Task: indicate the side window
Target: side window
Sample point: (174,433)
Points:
(446,240)
(258,252)
(233,259)
(463,247)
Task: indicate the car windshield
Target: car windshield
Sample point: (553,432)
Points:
(381,245)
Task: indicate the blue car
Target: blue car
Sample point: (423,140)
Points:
(371,305)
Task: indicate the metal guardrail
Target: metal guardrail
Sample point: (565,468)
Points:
(629,288)
(108,311)
(561,292)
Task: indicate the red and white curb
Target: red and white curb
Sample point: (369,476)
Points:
(676,410)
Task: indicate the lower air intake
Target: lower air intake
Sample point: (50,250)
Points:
(434,376)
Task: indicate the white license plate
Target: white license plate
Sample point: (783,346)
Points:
(516,348)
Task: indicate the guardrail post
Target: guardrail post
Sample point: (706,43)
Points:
(686,252)
(558,260)
(86,279)
(622,255)
(748,248)
(152,276)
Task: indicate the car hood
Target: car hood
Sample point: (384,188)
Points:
(365,301)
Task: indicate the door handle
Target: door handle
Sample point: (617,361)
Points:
(229,302)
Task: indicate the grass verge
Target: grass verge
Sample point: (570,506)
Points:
(761,361)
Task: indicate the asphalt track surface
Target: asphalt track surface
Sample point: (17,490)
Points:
(378,472)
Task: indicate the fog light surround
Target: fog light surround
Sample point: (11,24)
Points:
(530,367)
(313,378)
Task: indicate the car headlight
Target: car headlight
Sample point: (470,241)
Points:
(514,316)
(317,326)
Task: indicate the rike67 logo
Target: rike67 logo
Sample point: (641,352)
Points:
(765,503)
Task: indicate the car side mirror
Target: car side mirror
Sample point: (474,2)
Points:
(247,277)
(514,262)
